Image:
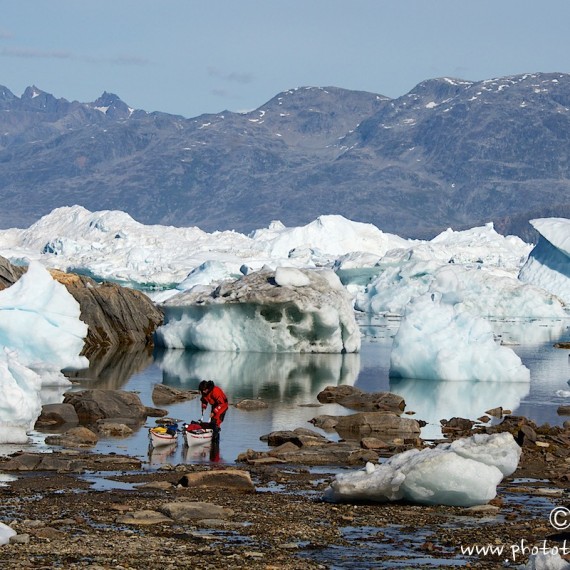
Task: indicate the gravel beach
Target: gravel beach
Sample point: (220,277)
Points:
(122,517)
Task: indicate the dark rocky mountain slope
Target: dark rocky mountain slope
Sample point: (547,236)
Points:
(450,153)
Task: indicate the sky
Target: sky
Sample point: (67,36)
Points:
(191,57)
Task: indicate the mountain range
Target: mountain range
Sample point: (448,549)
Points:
(450,153)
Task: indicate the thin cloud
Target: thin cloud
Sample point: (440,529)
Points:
(233,77)
(6,35)
(28,53)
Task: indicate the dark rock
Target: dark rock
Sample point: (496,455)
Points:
(113,428)
(385,425)
(526,436)
(373,443)
(457,425)
(9,273)
(496,412)
(115,315)
(57,415)
(325,422)
(155,412)
(227,479)
(93,405)
(77,436)
(251,405)
(144,517)
(341,453)
(297,437)
(356,399)
(67,461)
(163,395)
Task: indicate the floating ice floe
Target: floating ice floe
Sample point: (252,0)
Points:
(441,341)
(463,473)
(286,310)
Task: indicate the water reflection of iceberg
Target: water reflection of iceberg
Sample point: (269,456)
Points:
(254,373)
(436,400)
(529,331)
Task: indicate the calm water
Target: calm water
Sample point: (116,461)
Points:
(289,383)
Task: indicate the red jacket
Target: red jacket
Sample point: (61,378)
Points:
(219,402)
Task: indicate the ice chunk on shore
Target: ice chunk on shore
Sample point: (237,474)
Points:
(438,341)
(20,402)
(5,533)
(546,561)
(287,310)
(464,474)
(40,333)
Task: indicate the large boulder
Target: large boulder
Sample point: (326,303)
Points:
(94,405)
(163,395)
(385,425)
(116,315)
(355,399)
(226,479)
(9,273)
(54,415)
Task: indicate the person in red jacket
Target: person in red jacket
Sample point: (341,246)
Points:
(215,396)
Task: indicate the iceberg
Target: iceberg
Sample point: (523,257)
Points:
(286,310)
(464,473)
(333,235)
(40,320)
(40,334)
(488,293)
(548,265)
(441,341)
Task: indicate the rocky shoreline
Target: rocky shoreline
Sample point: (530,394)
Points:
(76,509)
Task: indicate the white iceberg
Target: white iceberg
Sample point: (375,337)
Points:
(465,473)
(333,235)
(439,341)
(486,292)
(289,310)
(40,334)
(40,320)
(548,265)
